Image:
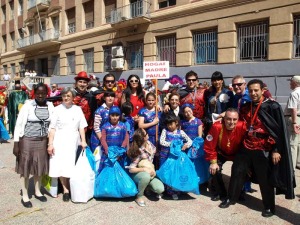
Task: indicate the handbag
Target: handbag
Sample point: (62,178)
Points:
(145,163)
(50,184)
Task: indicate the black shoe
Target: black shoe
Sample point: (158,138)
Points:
(267,213)
(66,197)
(41,198)
(215,198)
(226,203)
(26,204)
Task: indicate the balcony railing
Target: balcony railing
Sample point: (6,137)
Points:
(50,34)
(71,28)
(127,12)
(34,3)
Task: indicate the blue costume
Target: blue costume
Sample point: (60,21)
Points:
(115,136)
(130,126)
(240,100)
(102,111)
(149,116)
(191,127)
(201,165)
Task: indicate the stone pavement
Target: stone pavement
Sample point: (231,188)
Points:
(190,209)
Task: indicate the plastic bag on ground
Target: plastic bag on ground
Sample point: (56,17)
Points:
(50,184)
(178,171)
(82,180)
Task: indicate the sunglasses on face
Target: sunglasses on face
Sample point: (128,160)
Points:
(134,81)
(109,81)
(237,84)
(191,80)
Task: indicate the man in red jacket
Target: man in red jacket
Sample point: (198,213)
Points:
(222,142)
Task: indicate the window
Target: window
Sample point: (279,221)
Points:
(71,63)
(3,13)
(135,55)
(296,37)
(12,37)
(107,58)
(55,22)
(166,3)
(166,49)
(11,5)
(136,8)
(31,35)
(4,69)
(13,69)
(253,41)
(4,43)
(55,65)
(22,69)
(20,7)
(205,47)
(110,5)
(89,14)
(88,60)
(30,65)
(71,20)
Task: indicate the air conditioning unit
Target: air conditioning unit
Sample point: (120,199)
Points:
(117,63)
(125,14)
(117,51)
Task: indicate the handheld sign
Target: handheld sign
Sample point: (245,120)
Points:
(156,70)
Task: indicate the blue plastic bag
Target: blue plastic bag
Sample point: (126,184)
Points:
(113,181)
(196,154)
(196,150)
(178,171)
(91,158)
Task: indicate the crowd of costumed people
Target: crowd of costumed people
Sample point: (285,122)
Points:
(120,138)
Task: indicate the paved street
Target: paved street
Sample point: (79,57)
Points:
(190,209)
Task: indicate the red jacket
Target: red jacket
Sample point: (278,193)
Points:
(222,141)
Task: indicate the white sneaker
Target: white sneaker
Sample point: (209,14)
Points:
(159,196)
(175,197)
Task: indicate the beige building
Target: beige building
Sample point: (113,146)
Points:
(63,37)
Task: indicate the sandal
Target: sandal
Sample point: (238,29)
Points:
(140,202)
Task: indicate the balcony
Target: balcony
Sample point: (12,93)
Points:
(129,15)
(38,5)
(46,38)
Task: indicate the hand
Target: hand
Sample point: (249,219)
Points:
(275,157)
(156,120)
(296,128)
(83,145)
(136,119)
(51,150)
(166,108)
(158,108)
(213,168)
(184,147)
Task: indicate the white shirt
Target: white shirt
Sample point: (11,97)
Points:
(293,102)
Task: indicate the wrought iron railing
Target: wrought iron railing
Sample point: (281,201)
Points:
(33,3)
(50,34)
(136,9)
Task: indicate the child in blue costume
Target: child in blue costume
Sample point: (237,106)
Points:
(127,109)
(193,127)
(148,119)
(171,133)
(113,133)
(101,117)
(4,136)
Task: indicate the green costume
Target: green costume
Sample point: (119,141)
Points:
(14,100)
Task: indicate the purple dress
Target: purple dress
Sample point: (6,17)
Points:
(191,127)
(149,116)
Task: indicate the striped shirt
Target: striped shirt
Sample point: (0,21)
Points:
(37,122)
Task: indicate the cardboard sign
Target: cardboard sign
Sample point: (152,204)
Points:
(156,70)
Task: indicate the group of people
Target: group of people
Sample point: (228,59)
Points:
(243,126)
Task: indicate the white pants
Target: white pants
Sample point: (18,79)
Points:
(294,142)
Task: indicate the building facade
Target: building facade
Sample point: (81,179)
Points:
(254,38)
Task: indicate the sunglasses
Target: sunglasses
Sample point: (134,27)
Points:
(191,80)
(237,84)
(109,81)
(134,81)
